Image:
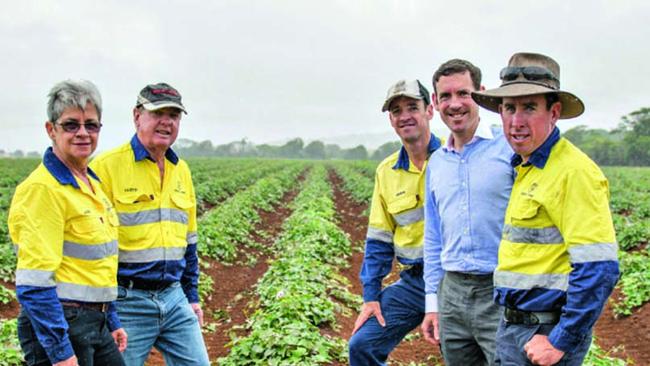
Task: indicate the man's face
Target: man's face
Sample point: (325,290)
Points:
(157,130)
(527,122)
(410,118)
(455,104)
(74,146)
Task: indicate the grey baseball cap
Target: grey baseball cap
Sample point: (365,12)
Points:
(406,88)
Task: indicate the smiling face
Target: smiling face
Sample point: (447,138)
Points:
(410,118)
(455,104)
(74,147)
(157,130)
(527,122)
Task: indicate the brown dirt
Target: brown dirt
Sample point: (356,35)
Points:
(632,332)
(354,223)
(227,308)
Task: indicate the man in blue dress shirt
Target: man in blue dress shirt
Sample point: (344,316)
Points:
(466,194)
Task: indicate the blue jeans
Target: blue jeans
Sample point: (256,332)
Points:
(402,305)
(88,333)
(511,339)
(161,319)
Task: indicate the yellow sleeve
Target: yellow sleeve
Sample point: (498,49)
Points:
(36,225)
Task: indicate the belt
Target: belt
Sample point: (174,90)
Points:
(97,306)
(514,316)
(143,285)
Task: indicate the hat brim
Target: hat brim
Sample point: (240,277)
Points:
(572,106)
(153,107)
(384,108)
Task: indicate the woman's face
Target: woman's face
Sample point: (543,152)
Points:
(71,139)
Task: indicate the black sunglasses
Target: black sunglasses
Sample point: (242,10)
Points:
(74,126)
(533,73)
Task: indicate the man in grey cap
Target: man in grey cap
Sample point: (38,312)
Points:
(396,230)
(153,194)
(558,254)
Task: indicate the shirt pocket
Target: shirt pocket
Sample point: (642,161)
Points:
(525,210)
(181,201)
(86,230)
(403,210)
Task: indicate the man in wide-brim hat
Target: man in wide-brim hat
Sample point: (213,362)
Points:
(558,254)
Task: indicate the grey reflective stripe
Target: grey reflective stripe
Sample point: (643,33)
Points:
(89,252)
(409,253)
(547,235)
(593,252)
(34,277)
(192,238)
(523,281)
(150,255)
(152,216)
(16,249)
(409,217)
(77,292)
(379,234)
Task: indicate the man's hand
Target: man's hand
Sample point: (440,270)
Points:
(541,352)
(430,328)
(371,308)
(196,307)
(120,337)
(72,361)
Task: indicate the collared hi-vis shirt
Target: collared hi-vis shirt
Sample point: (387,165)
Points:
(396,221)
(558,250)
(157,234)
(65,236)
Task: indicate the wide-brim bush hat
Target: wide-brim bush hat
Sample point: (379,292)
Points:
(530,74)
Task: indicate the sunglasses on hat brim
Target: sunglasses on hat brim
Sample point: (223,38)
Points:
(532,73)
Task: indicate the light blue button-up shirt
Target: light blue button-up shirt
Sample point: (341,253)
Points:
(466,195)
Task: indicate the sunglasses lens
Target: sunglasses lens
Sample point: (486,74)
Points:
(537,73)
(509,73)
(70,126)
(92,127)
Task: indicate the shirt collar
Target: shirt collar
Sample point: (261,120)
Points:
(141,153)
(61,172)
(403,158)
(539,157)
(483,131)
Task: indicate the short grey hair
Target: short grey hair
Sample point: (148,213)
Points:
(72,93)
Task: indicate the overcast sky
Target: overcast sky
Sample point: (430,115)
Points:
(270,70)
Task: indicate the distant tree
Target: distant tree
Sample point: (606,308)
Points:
(292,149)
(33,154)
(18,154)
(386,149)
(356,153)
(333,151)
(315,150)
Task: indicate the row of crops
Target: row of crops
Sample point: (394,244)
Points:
(302,290)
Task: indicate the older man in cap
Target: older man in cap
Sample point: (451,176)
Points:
(396,230)
(158,272)
(558,254)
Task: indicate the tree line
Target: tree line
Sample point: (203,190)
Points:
(626,145)
(292,149)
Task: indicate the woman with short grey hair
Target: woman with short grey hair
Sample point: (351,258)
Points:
(65,232)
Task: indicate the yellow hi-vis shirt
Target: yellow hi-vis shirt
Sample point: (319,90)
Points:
(157,234)
(396,221)
(65,237)
(558,249)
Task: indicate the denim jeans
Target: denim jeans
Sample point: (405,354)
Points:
(468,319)
(402,305)
(162,319)
(88,333)
(511,339)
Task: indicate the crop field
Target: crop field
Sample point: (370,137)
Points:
(281,245)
